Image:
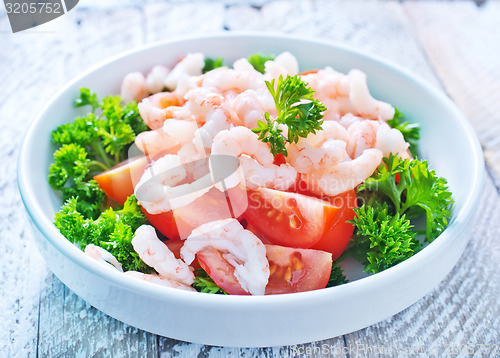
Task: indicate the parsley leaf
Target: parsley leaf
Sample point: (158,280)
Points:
(337,276)
(113,230)
(258,61)
(418,190)
(382,240)
(211,64)
(410,131)
(71,173)
(87,97)
(131,116)
(204,283)
(297,109)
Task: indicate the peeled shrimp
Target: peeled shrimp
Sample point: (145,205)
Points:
(344,176)
(283,65)
(240,78)
(256,159)
(155,109)
(102,256)
(342,94)
(366,106)
(156,78)
(366,134)
(159,280)
(319,151)
(241,248)
(216,121)
(191,65)
(170,183)
(167,140)
(249,107)
(133,87)
(158,256)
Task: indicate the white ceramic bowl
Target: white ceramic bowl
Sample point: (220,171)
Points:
(448,141)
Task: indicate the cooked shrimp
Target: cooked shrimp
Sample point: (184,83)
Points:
(158,256)
(247,109)
(133,87)
(241,248)
(163,185)
(157,108)
(102,256)
(342,94)
(239,79)
(191,65)
(319,151)
(284,64)
(167,140)
(216,121)
(256,159)
(344,176)
(200,101)
(366,134)
(349,119)
(159,280)
(155,80)
(332,88)
(390,140)
(362,136)
(366,106)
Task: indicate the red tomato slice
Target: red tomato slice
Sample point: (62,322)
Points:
(118,182)
(164,223)
(175,246)
(336,239)
(297,220)
(291,270)
(297,270)
(214,205)
(220,271)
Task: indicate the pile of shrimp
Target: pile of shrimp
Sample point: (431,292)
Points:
(193,115)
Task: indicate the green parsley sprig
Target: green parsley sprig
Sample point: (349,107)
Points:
(410,131)
(212,63)
(337,276)
(382,240)
(113,230)
(204,283)
(297,109)
(413,189)
(259,60)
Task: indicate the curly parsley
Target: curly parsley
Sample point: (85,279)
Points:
(297,109)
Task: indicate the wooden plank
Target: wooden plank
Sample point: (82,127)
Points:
(462,44)
(70,327)
(21,267)
(333,347)
(168,20)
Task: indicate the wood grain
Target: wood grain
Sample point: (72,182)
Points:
(466,57)
(39,316)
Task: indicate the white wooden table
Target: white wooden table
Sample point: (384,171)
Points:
(454,45)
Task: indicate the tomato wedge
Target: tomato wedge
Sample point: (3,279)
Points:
(175,246)
(336,239)
(118,182)
(214,205)
(297,270)
(220,271)
(291,270)
(301,221)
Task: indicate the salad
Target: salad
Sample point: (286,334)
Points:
(253,178)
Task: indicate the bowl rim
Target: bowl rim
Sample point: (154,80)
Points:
(51,234)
